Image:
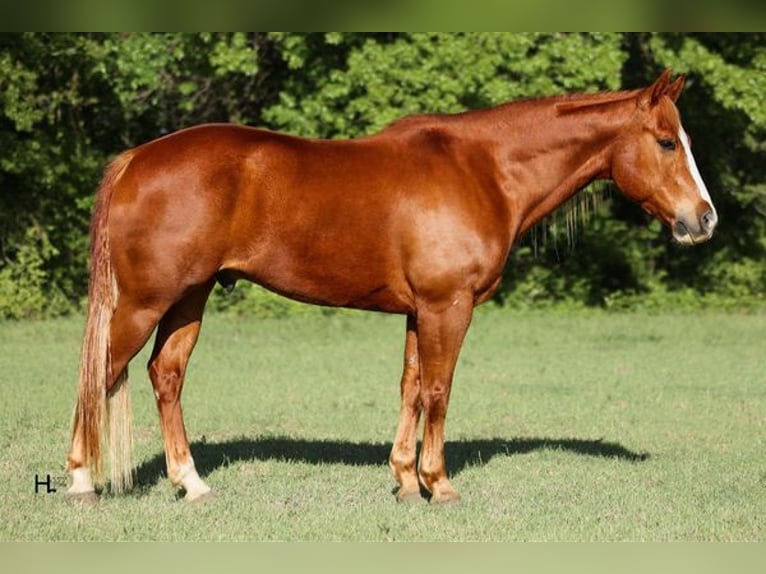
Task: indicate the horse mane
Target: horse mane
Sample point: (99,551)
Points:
(586,102)
(563,104)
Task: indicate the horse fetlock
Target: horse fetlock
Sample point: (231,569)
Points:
(441,491)
(435,481)
(401,462)
(430,477)
(186,477)
(407,479)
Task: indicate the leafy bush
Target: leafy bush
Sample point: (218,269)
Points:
(26,289)
(70,101)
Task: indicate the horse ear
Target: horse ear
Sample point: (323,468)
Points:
(651,96)
(675,88)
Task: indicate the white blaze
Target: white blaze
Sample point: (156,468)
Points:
(692,165)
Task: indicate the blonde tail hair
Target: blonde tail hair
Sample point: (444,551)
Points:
(92,414)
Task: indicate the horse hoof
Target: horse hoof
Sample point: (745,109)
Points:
(82,499)
(208,496)
(408,496)
(448,497)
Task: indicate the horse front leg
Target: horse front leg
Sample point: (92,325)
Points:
(404,451)
(441,330)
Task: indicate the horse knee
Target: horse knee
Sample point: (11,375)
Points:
(435,396)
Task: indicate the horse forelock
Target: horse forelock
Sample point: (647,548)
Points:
(667,116)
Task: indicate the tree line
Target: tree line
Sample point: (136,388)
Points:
(69,102)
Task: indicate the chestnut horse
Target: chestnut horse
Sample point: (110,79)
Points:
(418,219)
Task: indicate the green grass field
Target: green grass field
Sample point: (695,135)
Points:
(588,426)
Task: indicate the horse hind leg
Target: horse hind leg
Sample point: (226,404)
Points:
(130,327)
(176,336)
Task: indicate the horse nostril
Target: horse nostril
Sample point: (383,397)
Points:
(680,229)
(708,220)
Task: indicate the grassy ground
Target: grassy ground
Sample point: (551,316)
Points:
(561,427)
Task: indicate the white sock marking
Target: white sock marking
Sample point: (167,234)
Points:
(81,481)
(190,480)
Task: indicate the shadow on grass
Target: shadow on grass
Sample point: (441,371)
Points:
(459,454)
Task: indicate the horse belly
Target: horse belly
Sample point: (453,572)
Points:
(338,252)
(332,279)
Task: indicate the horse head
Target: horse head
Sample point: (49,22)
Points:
(652,163)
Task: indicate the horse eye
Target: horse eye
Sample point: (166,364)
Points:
(667,144)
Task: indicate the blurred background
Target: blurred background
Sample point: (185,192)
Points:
(71,101)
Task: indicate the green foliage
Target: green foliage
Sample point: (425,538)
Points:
(48,167)
(384,78)
(256,301)
(26,289)
(68,102)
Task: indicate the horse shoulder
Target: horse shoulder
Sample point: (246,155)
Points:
(455,227)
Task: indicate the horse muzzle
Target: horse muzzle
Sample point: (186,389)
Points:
(690,231)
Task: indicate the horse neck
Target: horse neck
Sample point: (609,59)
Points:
(547,150)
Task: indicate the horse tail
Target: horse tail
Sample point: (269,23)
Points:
(96,374)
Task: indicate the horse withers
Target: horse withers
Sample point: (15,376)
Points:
(418,220)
